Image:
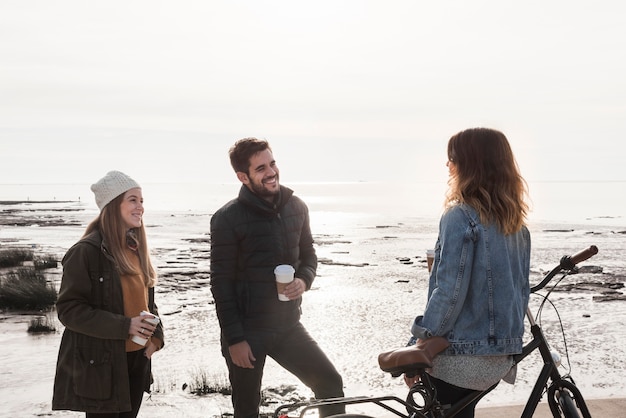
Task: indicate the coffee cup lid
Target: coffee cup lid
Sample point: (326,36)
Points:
(284,269)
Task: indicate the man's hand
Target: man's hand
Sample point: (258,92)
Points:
(295,289)
(241,355)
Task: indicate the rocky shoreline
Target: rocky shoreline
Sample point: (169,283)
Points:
(187,268)
(367,275)
(22,213)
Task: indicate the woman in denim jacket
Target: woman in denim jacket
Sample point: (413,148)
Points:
(478,289)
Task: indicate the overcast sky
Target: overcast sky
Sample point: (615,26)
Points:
(343,90)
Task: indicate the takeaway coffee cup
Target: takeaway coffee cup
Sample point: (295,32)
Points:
(430,257)
(284,275)
(154,321)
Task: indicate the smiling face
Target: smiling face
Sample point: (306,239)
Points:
(262,177)
(131,208)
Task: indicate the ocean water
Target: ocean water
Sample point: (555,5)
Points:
(601,203)
(364,296)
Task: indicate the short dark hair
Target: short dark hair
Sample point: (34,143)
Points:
(241,152)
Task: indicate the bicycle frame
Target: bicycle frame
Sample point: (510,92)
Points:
(564,398)
(378,400)
(549,372)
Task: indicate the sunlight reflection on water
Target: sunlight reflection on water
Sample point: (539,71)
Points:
(584,202)
(363,298)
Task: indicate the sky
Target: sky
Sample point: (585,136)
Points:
(343,90)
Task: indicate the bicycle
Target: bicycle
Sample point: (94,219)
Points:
(564,398)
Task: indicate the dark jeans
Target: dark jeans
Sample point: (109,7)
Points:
(138,365)
(450,394)
(296,351)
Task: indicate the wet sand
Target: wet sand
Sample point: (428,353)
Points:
(601,408)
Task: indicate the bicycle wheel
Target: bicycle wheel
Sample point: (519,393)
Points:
(562,404)
(568,405)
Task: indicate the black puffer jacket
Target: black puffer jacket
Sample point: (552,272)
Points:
(249,237)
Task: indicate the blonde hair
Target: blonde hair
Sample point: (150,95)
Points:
(117,237)
(487,178)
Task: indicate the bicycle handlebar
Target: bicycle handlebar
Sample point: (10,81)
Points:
(568,262)
(584,254)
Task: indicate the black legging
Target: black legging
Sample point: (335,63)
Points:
(137,372)
(448,394)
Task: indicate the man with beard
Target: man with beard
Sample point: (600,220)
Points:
(265,226)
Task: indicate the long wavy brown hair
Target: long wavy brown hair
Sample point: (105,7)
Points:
(117,237)
(487,178)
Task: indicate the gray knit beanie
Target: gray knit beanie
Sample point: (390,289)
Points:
(111,186)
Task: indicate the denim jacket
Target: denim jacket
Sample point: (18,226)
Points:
(478,289)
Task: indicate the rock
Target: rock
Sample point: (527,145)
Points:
(590,269)
(609,298)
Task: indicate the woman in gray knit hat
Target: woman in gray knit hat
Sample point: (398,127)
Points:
(108,281)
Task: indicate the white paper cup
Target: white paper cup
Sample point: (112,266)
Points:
(284,275)
(430,257)
(142,341)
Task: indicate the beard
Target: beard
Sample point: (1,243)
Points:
(261,190)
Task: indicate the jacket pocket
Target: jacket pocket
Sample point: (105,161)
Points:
(93,372)
(101,288)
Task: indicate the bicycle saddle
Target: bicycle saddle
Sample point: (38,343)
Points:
(415,357)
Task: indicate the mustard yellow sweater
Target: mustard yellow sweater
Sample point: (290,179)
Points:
(135,294)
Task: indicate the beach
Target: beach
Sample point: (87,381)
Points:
(372,281)
(359,101)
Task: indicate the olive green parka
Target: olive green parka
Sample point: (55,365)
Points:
(92,372)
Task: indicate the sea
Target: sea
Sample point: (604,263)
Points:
(371,240)
(596,202)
